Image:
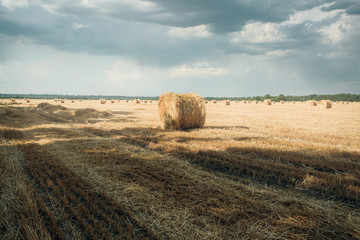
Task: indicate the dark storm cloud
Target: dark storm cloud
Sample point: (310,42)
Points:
(222,16)
(230,15)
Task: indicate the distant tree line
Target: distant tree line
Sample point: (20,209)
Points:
(73,97)
(333,97)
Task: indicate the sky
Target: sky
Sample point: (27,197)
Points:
(213,48)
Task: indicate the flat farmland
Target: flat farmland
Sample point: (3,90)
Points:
(86,170)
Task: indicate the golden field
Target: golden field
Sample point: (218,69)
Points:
(86,170)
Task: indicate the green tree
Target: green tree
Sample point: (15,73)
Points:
(281,97)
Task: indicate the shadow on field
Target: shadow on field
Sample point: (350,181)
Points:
(333,175)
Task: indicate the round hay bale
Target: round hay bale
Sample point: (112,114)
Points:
(28,101)
(181,111)
(267,102)
(72,101)
(282,102)
(214,101)
(137,101)
(102,101)
(227,102)
(62,101)
(325,104)
(112,101)
(312,103)
(126,101)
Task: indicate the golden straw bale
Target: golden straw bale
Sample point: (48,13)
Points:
(325,104)
(214,101)
(181,111)
(28,101)
(137,101)
(62,101)
(312,103)
(227,102)
(267,102)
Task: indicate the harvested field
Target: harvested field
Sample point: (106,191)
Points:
(87,170)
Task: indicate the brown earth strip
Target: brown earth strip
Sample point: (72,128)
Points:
(87,209)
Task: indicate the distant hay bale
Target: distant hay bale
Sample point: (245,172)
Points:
(312,103)
(214,101)
(27,100)
(62,101)
(325,104)
(72,101)
(126,101)
(137,101)
(227,102)
(181,111)
(112,101)
(103,101)
(150,101)
(145,101)
(282,102)
(206,102)
(267,102)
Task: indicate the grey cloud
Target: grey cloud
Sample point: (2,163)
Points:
(352,7)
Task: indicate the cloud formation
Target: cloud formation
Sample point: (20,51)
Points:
(312,43)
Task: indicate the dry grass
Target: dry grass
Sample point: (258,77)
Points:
(252,172)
